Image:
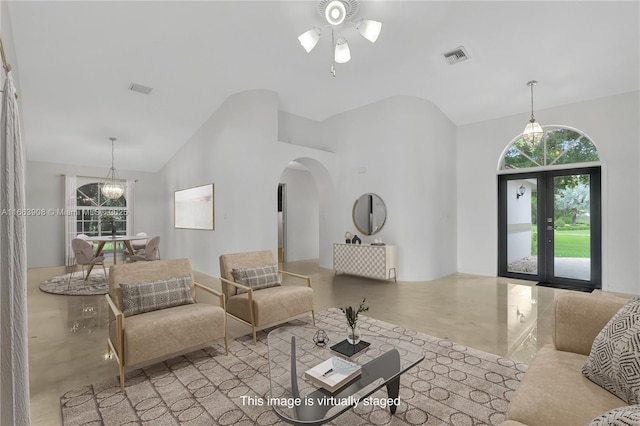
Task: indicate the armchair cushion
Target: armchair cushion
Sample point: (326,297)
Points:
(614,361)
(273,304)
(158,333)
(257,278)
(148,296)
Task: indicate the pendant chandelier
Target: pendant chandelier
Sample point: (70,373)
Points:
(533,132)
(112,188)
(335,12)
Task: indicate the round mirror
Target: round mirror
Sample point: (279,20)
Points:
(369,214)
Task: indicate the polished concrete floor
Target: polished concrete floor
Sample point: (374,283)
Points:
(67,334)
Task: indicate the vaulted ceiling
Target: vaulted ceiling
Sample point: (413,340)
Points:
(76,60)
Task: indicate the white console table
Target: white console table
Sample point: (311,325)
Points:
(367,260)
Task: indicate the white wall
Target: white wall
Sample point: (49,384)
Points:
(45,190)
(402,149)
(237,150)
(302,215)
(613,124)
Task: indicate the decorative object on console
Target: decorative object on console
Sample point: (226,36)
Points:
(356,240)
(353,332)
(112,188)
(336,12)
(378,242)
(348,236)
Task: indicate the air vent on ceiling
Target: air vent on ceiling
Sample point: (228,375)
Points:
(459,54)
(135,87)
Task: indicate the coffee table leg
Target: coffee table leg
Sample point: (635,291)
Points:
(393,391)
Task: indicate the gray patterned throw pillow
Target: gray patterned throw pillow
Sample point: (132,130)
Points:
(148,296)
(621,416)
(257,278)
(614,361)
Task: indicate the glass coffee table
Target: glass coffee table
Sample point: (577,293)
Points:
(297,400)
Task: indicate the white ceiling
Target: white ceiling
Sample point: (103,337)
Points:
(76,60)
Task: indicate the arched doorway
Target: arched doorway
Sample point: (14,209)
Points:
(549,216)
(298,214)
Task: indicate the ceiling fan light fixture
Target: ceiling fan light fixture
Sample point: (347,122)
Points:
(369,29)
(309,39)
(342,53)
(339,15)
(335,13)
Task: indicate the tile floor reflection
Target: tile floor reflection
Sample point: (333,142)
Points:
(67,346)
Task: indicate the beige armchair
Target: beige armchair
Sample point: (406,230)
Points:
(266,306)
(147,336)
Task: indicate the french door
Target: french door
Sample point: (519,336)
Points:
(549,227)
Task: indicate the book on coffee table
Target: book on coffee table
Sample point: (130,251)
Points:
(333,373)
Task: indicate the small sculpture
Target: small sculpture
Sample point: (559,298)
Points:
(356,240)
(321,338)
(347,236)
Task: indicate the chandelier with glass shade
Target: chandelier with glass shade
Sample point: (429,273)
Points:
(533,132)
(112,188)
(336,13)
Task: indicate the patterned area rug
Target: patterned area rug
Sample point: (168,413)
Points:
(453,385)
(96,284)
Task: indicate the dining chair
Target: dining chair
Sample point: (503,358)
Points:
(138,245)
(83,254)
(150,251)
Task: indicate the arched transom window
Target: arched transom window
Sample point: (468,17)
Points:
(559,146)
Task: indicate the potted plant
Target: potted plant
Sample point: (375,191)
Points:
(109,218)
(353,332)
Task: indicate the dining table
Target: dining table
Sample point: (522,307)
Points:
(125,239)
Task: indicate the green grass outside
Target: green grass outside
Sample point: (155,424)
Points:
(573,244)
(567,243)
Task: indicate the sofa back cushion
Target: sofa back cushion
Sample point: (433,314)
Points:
(146,271)
(147,296)
(577,319)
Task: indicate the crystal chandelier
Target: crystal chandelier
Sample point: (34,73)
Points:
(112,188)
(533,131)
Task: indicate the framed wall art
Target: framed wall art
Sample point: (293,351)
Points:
(193,208)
